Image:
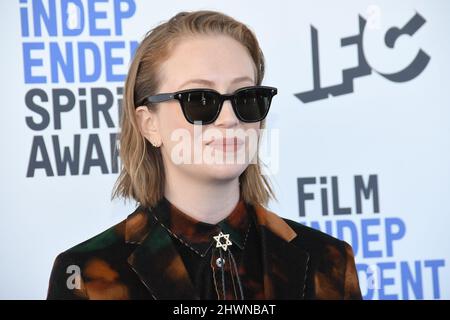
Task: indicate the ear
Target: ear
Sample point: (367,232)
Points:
(148,124)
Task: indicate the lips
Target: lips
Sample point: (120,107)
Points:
(227,144)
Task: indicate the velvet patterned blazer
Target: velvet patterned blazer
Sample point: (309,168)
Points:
(136,259)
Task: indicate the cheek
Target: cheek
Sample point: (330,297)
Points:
(253,125)
(253,132)
(171,119)
(254,128)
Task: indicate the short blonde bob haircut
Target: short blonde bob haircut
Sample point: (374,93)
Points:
(142,175)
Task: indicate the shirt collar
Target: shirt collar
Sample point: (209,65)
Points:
(199,235)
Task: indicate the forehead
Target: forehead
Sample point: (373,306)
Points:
(216,58)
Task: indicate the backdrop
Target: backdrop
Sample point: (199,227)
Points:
(361,148)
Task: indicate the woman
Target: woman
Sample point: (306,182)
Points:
(201,230)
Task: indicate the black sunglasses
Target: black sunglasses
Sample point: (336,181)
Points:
(250,104)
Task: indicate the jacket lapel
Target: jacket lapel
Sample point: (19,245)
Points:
(161,269)
(284,264)
(156,261)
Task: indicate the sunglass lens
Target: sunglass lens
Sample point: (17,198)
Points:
(200,106)
(253,104)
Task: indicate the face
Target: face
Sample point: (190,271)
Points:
(218,151)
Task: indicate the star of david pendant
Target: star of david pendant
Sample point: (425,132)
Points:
(220,244)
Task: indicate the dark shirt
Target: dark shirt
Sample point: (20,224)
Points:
(211,269)
(138,258)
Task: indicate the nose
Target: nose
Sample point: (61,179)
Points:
(227,117)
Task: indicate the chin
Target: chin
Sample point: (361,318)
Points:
(223,171)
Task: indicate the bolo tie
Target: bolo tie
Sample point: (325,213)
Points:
(226,256)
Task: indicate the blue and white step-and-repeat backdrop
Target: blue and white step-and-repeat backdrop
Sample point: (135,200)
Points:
(362,119)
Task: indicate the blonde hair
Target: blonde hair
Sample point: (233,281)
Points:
(142,174)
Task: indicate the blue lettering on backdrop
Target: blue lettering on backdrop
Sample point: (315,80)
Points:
(48,16)
(52,55)
(61,57)
(373,239)
(69,19)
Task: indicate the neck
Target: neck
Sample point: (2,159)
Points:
(203,201)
